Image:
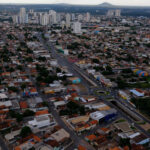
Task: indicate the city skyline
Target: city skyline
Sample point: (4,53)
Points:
(94,2)
(73,76)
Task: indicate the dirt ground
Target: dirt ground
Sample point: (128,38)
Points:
(146,126)
(80,88)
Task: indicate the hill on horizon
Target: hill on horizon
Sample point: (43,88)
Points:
(105,4)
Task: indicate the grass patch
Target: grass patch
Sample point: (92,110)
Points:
(143,105)
(98,93)
(148,130)
(141,123)
(110,98)
(107,93)
(133,128)
(5,131)
(140,85)
(120,120)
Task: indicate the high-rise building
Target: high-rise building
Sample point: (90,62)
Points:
(35,14)
(15,19)
(58,18)
(77,27)
(73,17)
(53,18)
(31,11)
(63,24)
(110,13)
(23,16)
(88,16)
(40,18)
(44,19)
(80,17)
(117,12)
(68,18)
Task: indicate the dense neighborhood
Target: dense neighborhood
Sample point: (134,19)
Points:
(81,83)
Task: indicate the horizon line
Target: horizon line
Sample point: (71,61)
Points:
(72,4)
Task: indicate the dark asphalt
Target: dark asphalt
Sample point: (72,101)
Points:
(72,68)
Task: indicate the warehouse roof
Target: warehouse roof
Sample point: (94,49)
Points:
(135,92)
(80,119)
(3,96)
(60,135)
(123,126)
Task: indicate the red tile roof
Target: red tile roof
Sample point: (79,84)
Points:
(23,105)
(115,148)
(41,112)
(80,147)
(94,122)
(91,137)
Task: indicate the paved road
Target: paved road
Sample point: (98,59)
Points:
(62,61)
(76,139)
(113,92)
(129,119)
(72,68)
(3,144)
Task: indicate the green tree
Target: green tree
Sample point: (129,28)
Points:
(82,110)
(127,71)
(57,43)
(12,88)
(95,61)
(19,67)
(97,68)
(29,51)
(45,104)
(13,114)
(11,69)
(19,117)
(29,59)
(39,78)
(25,131)
(58,70)
(108,68)
(28,112)
(42,59)
(23,86)
(124,142)
(80,55)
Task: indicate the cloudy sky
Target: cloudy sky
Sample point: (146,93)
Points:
(116,2)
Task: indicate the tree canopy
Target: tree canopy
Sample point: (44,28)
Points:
(25,131)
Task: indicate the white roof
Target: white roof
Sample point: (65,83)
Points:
(59,103)
(38,99)
(27,145)
(137,93)
(11,135)
(97,115)
(45,147)
(134,135)
(3,96)
(60,135)
(6,103)
(40,121)
(98,105)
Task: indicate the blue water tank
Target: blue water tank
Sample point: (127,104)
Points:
(76,81)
